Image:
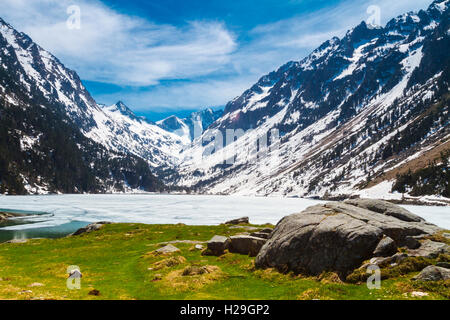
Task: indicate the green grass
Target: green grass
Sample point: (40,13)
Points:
(119,261)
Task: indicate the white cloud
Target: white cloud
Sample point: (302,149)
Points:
(187,95)
(120,49)
(131,51)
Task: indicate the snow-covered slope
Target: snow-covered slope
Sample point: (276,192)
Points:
(116,127)
(192,126)
(353,109)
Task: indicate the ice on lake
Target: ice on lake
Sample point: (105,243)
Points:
(71,211)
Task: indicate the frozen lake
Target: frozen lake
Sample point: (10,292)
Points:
(57,215)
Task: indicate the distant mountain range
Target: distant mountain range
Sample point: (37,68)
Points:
(192,126)
(365,115)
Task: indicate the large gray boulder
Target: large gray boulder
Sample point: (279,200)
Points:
(335,237)
(244,244)
(433,273)
(385,208)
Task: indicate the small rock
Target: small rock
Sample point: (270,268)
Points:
(90,228)
(197,271)
(158,277)
(246,245)
(433,273)
(238,221)
(445,265)
(419,294)
(248,228)
(217,245)
(198,247)
(36,284)
(168,249)
(25,291)
(94,292)
(17,241)
(266,230)
(411,243)
(261,235)
(430,249)
(385,248)
(75,274)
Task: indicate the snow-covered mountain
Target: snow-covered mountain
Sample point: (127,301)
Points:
(363,115)
(96,149)
(192,126)
(354,114)
(115,127)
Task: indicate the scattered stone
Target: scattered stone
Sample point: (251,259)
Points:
(246,245)
(419,294)
(198,247)
(217,245)
(75,274)
(167,249)
(445,265)
(94,292)
(36,284)
(446,235)
(266,230)
(260,234)
(430,249)
(90,228)
(386,208)
(381,261)
(385,248)
(411,243)
(157,277)
(17,241)
(196,271)
(181,241)
(238,221)
(337,237)
(248,228)
(25,291)
(433,273)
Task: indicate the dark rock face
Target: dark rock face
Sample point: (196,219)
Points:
(385,248)
(244,244)
(217,245)
(433,273)
(335,237)
(238,221)
(260,234)
(90,228)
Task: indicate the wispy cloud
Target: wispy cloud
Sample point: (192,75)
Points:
(121,49)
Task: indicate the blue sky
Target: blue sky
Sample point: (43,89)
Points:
(172,56)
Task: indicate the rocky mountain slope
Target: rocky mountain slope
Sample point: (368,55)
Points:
(349,119)
(55,138)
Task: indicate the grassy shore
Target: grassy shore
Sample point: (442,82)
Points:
(119,262)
